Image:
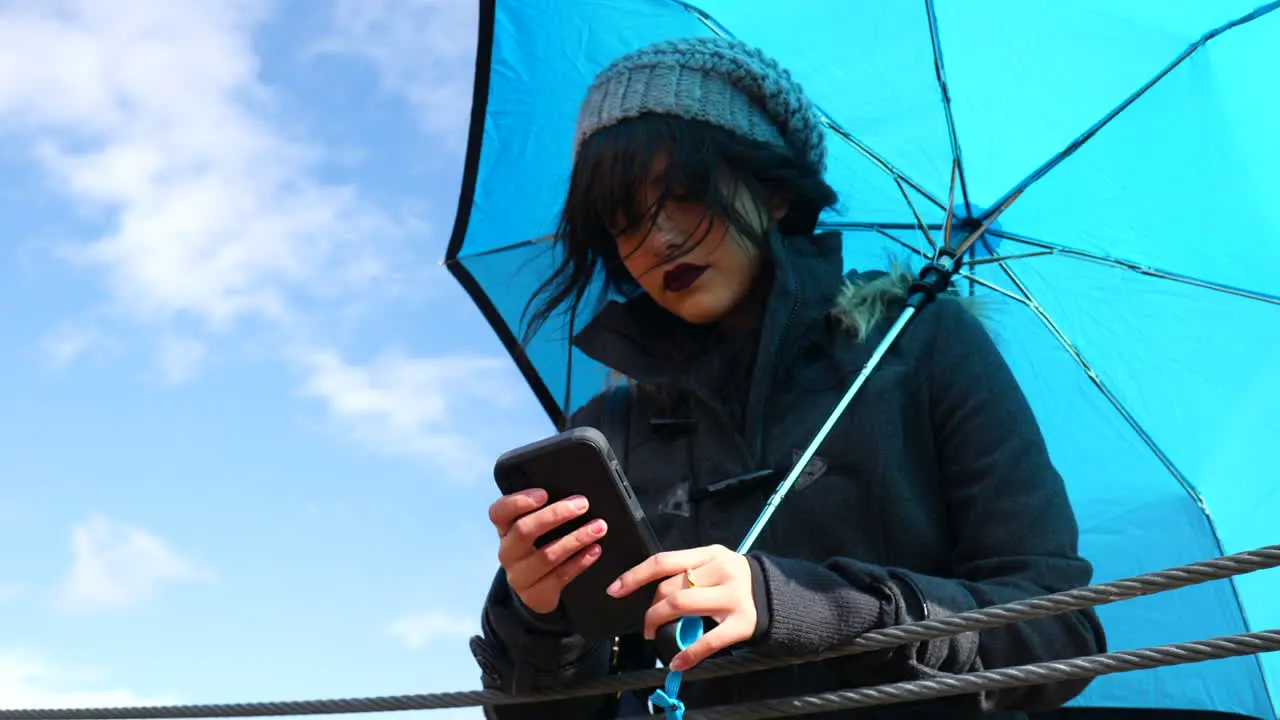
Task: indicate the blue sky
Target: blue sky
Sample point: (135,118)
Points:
(246,419)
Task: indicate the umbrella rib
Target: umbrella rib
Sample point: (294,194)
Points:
(1146,438)
(1120,407)
(920,223)
(873,226)
(971,277)
(1045,248)
(876,159)
(1030,302)
(522,244)
(1027,299)
(824,117)
(1007,258)
(885,232)
(1034,305)
(1087,135)
(996,288)
(940,72)
(1065,251)
(568,373)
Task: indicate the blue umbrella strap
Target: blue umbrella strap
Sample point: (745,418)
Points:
(666,699)
(688,630)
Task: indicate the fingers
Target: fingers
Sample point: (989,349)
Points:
(663,565)
(508,508)
(544,595)
(667,588)
(518,540)
(713,573)
(721,591)
(731,632)
(538,575)
(690,602)
(535,565)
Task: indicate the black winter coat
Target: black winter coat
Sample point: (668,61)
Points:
(933,495)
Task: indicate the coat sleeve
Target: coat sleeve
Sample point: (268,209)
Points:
(1015,537)
(519,650)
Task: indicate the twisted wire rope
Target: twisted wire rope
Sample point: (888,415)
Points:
(998,615)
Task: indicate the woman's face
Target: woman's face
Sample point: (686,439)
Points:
(706,283)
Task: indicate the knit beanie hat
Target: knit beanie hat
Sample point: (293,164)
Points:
(716,80)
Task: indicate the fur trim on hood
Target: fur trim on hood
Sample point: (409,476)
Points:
(865,300)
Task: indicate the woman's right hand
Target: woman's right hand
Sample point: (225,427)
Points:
(538,575)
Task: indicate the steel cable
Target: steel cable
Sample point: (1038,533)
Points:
(1021,675)
(986,618)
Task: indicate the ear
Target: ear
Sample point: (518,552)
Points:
(779,207)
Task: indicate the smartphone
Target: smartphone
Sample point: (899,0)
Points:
(580,462)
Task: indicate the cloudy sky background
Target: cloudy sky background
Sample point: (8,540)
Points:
(246,419)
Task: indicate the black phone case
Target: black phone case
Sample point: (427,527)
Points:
(580,462)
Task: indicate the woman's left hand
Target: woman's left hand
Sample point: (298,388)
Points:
(721,590)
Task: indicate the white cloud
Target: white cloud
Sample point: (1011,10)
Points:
(115,565)
(153,118)
(423,51)
(180,359)
(27,682)
(65,344)
(421,629)
(410,406)
(150,115)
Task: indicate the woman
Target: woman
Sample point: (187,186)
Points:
(696,188)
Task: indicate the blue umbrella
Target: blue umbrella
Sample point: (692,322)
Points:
(1133,284)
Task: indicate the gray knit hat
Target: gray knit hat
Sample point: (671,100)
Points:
(720,81)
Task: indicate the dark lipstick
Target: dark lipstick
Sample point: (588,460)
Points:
(682,276)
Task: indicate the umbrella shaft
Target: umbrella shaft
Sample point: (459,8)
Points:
(785,486)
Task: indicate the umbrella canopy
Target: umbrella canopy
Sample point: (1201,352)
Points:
(1134,284)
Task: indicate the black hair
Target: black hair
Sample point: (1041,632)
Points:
(705,164)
